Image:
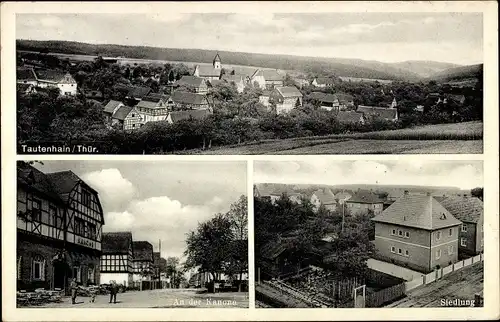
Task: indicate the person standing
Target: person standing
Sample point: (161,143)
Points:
(74,288)
(112,294)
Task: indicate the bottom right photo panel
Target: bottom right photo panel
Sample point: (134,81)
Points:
(368,233)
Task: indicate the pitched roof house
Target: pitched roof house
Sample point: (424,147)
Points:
(127,117)
(347,117)
(469,210)
(209,72)
(417,232)
(285,98)
(237,80)
(197,83)
(362,201)
(389,114)
(48,78)
(138,92)
(188,100)
(323,82)
(325,198)
(143,260)
(117,258)
(176,116)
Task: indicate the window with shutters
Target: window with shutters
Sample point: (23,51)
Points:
(464,228)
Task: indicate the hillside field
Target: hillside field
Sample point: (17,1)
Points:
(460,138)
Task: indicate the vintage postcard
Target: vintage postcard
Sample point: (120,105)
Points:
(263,160)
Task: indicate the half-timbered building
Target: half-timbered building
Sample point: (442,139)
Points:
(59,224)
(117,258)
(142,261)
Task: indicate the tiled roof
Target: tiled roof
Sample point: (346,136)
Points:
(208,71)
(325,196)
(375,111)
(325,80)
(465,209)
(233,78)
(154,97)
(50,75)
(122,112)
(181,97)
(274,248)
(272,75)
(289,91)
(143,251)
(191,81)
(423,212)
(110,107)
(349,117)
(138,91)
(147,104)
(365,197)
(177,116)
(323,97)
(342,195)
(26,74)
(118,242)
(215,82)
(64,182)
(36,179)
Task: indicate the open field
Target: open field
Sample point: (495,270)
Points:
(459,285)
(164,298)
(462,138)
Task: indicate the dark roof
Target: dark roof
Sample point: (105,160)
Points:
(465,209)
(289,91)
(143,251)
(233,78)
(217,58)
(208,71)
(423,212)
(323,97)
(456,98)
(138,91)
(154,97)
(375,111)
(325,196)
(325,80)
(191,81)
(26,74)
(275,248)
(343,195)
(365,197)
(30,176)
(122,112)
(177,116)
(349,116)
(110,107)
(64,182)
(50,75)
(215,82)
(118,242)
(272,75)
(181,97)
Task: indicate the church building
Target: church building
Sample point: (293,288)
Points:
(209,72)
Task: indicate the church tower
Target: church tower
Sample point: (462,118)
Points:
(216,62)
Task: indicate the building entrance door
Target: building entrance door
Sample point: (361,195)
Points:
(60,274)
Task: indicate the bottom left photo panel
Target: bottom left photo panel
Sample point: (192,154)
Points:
(146,234)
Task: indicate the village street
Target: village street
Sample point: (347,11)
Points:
(461,285)
(163,298)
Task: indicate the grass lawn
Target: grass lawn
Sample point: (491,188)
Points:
(464,138)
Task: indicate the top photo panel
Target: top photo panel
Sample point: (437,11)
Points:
(250,83)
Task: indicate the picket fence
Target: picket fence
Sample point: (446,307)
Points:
(439,273)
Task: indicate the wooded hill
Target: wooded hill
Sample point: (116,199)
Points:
(308,65)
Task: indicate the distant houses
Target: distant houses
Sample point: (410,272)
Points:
(46,78)
(155,107)
(117,258)
(388,114)
(350,117)
(323,82)
(197,84)
(142,261)
(209,72)
(285,99)
(361,202)
(325,198)
(236,80)
(417,232)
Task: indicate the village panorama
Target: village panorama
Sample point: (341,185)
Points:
(152,245)
(340,240)
(134,99)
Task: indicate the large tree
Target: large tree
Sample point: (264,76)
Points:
(238,216)
(210,246)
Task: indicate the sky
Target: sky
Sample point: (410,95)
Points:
(159,199)
(388,37)
(460,174)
